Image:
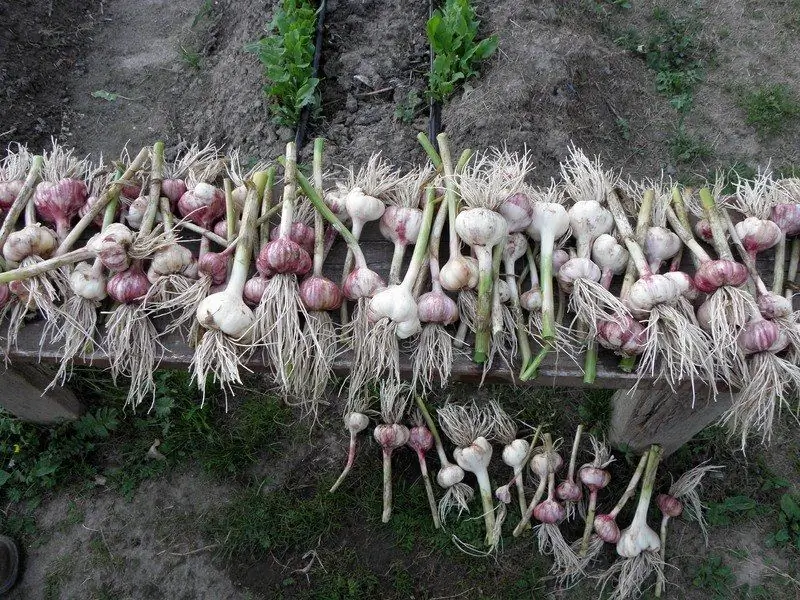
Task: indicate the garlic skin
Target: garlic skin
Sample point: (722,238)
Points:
(407,329)
(391,435)
(608,254)
(588,220)
(227,313)
(758,335)
(202,205)
(594,478)
(503,494)
(560,258)
(173,189)
(481,227)
(503,291)
(647,292)
(254,289)
(569,491)
(215,266)
(713,274)
(636,539)
(334,199)
(31,240)
(362,207)
(627,338)
(172,259)
(437,307)
(449,475)
(606,528)
(758,234)
(131,190)
(59,203)
(703,230)
(420,439)
(362,283)
(774,306)
(549,220)
(85,282)
(669,505)
(320,294)
(517,211)
(549,512)
(459,273)
(574,269)
(401,224)
(284,256)
(356,422)
(514,453)
(300,234)
(9,190)
(786,217)
(135,213)
(5,295)
(684,283)
(221,228)
(532,299)
(660,244)
(128,286)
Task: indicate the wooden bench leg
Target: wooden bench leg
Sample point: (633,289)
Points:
(647,417)
(21,387)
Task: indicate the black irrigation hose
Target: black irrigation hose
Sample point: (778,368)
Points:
(435,108)
(302,123)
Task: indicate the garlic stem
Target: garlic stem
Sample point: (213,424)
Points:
(437,440)
(316,200)
(426,478)
(154,194)
(230,210)
(516,311)
(686,237)
(629,491)
(44,266)
(220,241)
(387,485)
(587,529)
(794,259)
(421,245)
(107,196)
(714,216)
(661,580)
(319,222)
(779,265)
(488,504)
(642,225)
(624,227)
(23,198)
(289,190)
(449,194)
(426,144)
(573,457)
(537,497)
(679,206)
(266,208)
(433,246)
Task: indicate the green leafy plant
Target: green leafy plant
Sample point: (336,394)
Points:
(788,523)
(715,576)
(287,55)
(686,148)
(452,33)
(733,508)
(770,108)
(406,111)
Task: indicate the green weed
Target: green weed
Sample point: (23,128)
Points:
(788,533)
(407,110)
(770,109)
(732,510)
(687,148)
(452,33)
(287,56)
(715,576)
(191,58)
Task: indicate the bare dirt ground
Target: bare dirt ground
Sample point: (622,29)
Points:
(180,72)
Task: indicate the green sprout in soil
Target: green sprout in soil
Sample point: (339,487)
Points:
(287,55)
(452,33)
(770,108)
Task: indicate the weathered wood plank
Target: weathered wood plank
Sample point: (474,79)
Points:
(22,394)
(647,417)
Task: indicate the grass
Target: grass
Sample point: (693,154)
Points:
(715,577)
(113,444)
(687,148)
(771,109)
(191,58)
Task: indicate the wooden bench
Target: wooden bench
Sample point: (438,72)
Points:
(651,414)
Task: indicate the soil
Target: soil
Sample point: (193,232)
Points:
(180,72)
